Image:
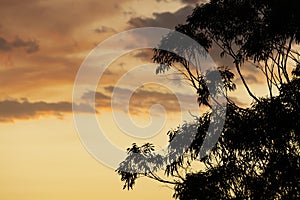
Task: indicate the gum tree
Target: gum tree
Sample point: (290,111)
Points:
(257,154)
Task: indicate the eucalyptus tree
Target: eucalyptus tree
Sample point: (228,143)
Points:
(257,153)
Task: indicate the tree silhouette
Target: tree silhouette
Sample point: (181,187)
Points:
(257,154)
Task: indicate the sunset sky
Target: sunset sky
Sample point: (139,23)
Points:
(42,46)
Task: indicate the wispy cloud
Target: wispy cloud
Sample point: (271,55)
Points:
(105,29)
(30,46)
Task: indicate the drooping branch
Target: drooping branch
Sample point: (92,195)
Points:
(244,82)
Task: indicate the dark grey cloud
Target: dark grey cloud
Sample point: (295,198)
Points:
(164,19)
(30,46)
(105,29)
(11,110)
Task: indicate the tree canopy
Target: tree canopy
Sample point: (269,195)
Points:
(257,154)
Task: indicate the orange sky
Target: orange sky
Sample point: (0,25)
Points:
(42,45)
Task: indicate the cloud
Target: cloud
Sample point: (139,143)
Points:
(141,100)
(238,102)
(30,46)
(192,1)
(251,78)
(55,16)
(162,1)
(102,100)
(164,19)
(144,55)
(65,33)
(184,1)
(105,29)
(4,45)
(11,110)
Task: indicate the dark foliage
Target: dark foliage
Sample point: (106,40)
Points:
(257,154)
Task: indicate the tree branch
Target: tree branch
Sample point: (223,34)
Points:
(244,82)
